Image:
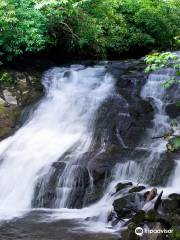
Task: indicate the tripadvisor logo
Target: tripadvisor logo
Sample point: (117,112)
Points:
(140,231)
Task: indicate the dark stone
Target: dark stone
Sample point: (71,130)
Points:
(173,110)
(174,196)
(126,205)
(136,189)
(152,216)
(129,233)
(59,165)
(121,186)
(177,211)
(174,218)
(111,216)
(139,217)
(170,205)
(94,194)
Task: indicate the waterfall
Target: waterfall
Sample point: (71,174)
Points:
(60,130)
(63,119)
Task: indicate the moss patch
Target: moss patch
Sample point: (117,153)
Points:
(2,109)
(175,235)
(174,144)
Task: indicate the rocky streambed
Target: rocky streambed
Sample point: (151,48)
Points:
(136,206)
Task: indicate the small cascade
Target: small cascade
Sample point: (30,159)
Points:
(154,92)
(174,185)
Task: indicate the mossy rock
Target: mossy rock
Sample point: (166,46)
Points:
(129,233)
(121,186)
(132,226)
(174,144)
(170,205)
(152,216)
(175,234)
(4,131)
(2,109)
(174,218)
(8,119)
(126,205)
(177,211)
(174,196)
(136,189)
(139,217)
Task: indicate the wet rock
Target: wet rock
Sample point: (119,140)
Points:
(175,196)
(126,205)
(132,226)
(177,211)
(158,201)
(59,165)
(136,189)
(170,205)
(139,217)
(152,216)
(45,189)
(150,194)
(111,216)
(159,175)
(121,186)
(93,194)
(174,218)
(129,233)
(173,110)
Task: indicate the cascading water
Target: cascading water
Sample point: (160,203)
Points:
(63,119)
(153,141)
(144,172)
(60,130)
(156,94)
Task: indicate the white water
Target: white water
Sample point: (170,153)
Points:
(97,214)
(63,118)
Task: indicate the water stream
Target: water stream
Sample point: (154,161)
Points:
(64,122)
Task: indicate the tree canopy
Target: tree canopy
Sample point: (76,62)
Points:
(93,27)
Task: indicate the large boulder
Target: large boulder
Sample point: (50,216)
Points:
(127,205)
(120,186)
(136,189)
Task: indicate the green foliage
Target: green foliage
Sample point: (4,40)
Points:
(175,235)
(93,27)
(174,144)
(6,79)
(158,61)
(22,28)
